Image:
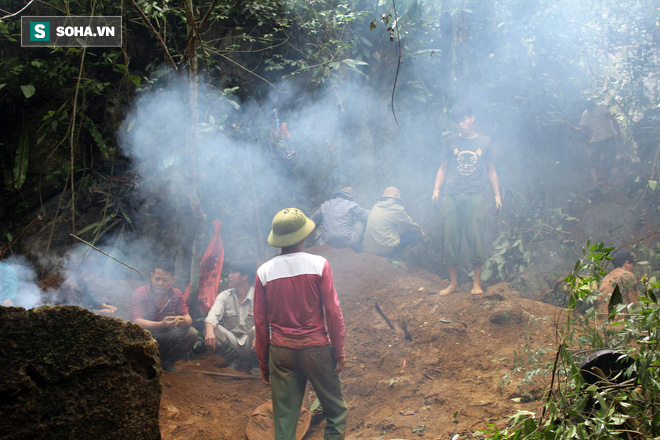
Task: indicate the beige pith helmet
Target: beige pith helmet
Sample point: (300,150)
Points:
(391,191)
(346,191)
(290,226)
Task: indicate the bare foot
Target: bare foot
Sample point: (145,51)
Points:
(477,290)
(449,289)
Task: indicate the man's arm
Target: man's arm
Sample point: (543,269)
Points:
(317,217)
(184,321)
(182,318)
(261,328)
(494,184)
(167,323)
(439,180)
(629,288)
(333,316)
(404,221)
(213,318)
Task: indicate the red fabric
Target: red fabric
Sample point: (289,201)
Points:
(210,271)
(294,297)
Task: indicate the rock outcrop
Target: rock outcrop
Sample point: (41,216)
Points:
(69,373)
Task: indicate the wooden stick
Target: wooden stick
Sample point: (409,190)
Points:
(229,375)
(106,254)
(387,320)
(404,327)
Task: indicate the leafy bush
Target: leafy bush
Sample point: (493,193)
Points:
(622,406)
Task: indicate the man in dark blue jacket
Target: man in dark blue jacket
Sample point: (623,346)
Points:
(342,221)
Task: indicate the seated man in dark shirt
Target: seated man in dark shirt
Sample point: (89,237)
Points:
(161,309)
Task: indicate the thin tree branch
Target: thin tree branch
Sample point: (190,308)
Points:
(17,12)
(398,63)
(106,254)
(158,37)
(71,142)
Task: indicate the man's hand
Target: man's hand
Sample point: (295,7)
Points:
(265,376)
(169,322)
(107,309)
(253,347)
(498,203)
(436,195)
(209,340)
(340,366)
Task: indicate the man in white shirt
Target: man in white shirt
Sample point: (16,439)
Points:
(230,322)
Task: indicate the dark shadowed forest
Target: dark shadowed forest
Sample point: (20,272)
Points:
(229,111)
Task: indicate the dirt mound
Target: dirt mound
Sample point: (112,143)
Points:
(435,373)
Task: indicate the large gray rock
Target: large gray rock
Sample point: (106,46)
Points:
(70,374)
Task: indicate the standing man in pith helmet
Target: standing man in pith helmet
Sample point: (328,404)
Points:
(467,159)
(294,298)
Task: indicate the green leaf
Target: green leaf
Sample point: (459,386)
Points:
(136,80)
(353,63)
(21,161)
(615,300)
(2,85)
(653,184)
(28,90)
(97,225)
(96,135)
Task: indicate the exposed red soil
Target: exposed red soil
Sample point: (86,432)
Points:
(443,382)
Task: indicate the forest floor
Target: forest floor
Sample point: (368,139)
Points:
(445,381)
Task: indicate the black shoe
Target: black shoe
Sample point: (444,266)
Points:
(169,366)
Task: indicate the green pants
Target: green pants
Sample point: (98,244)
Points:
(289,371)
(463,214)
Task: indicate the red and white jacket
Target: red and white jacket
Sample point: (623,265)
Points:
(294,298)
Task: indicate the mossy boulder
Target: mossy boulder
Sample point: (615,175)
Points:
(69,373)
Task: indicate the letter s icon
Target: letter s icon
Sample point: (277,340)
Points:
(39,31)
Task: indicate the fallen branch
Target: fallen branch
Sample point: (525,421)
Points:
(106,254)
(404,327)
(228,375)
(381,313)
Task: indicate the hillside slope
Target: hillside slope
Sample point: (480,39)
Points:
(442,382)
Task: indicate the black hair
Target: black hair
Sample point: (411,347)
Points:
(621,256)
(459,111)
(244,268)
(165,265)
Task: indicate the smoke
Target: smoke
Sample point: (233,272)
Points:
(521,71)
(29,294)
(243,166)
